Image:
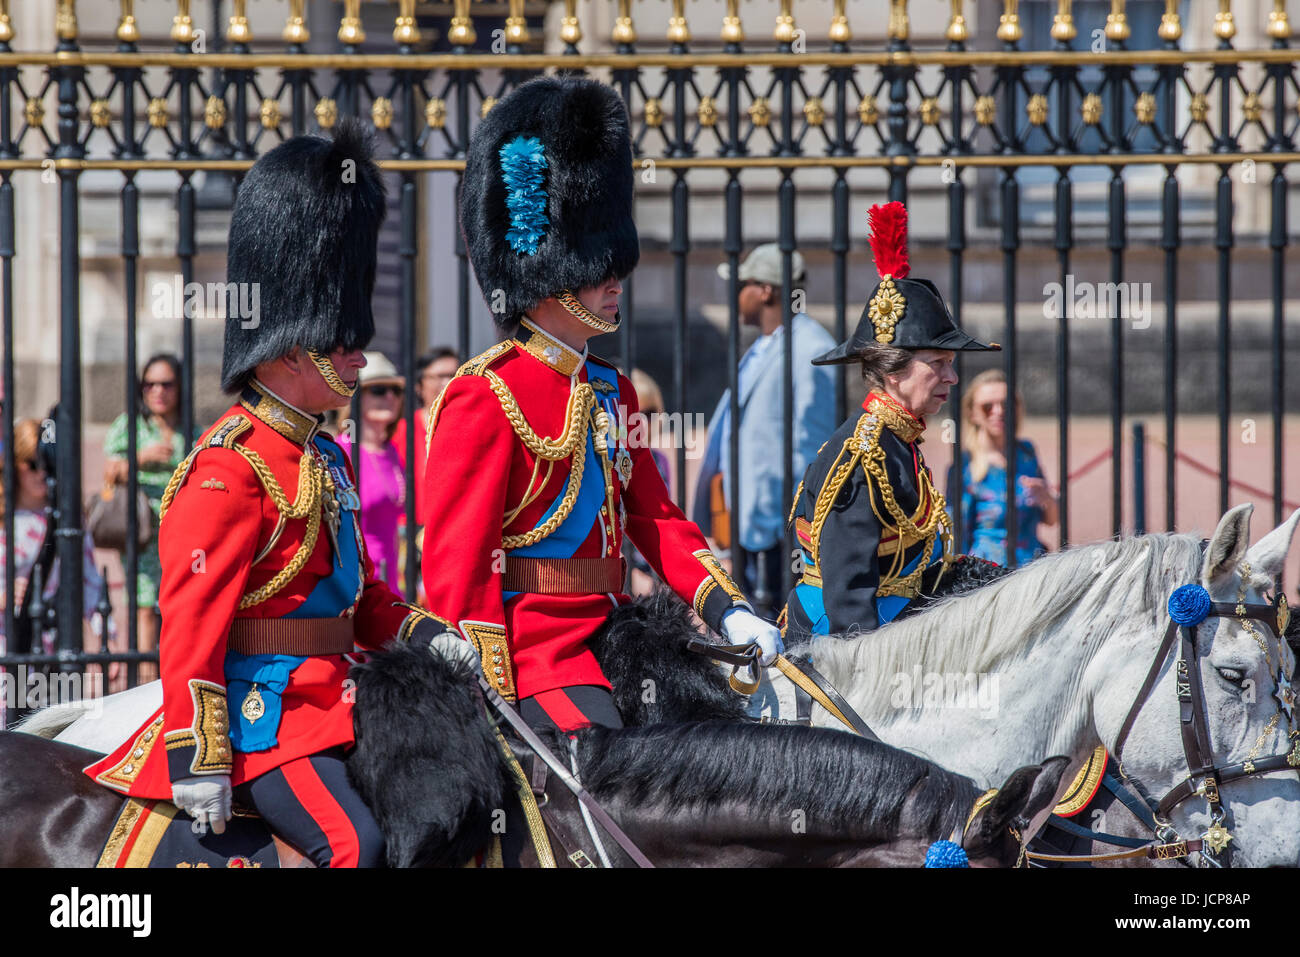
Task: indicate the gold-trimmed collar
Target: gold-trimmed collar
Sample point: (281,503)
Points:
(896,418)
(286,418)
(549,350)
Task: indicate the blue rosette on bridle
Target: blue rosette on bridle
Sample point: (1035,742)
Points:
(1189,605)
(523,170)
(946,854)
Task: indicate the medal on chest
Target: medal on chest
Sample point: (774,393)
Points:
(253,707)
(623,463)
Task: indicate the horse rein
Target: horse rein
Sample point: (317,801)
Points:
(1197,748)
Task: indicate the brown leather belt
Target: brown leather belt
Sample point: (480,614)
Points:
(565,576)
(291,636)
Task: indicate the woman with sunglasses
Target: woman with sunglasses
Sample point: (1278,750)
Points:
(160,446)
(983,476)
(380,475)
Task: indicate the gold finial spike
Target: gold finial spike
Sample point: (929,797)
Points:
(840,32)
(784,32)
(1117,28)
(350,31)
(678,31)
(1171,25)
(461,32)
(732,31)
(182,25)
(624,33)
(516,25)
(238,30)
(404,29)
(898,25)
(65,21)
(570,29)
(958,31)
(1278,27)
(1224,26)
(1063,28)
(1009,23)
(295,27)
(127,30)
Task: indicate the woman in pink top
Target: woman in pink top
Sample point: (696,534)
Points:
(379,469)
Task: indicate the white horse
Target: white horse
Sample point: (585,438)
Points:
(1049,660)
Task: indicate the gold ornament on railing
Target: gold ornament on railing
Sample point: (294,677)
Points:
(461,32)
(1091,109)
(182,30)
(157,113)
(65,20)
(624,33)
(868,111)
(1063,29)
(1200,107)
(654,113)
(930,111)
(732,30)
(839,31)
(898,26)
(1117,28)
(516,26)
(707,112)
(381,113)
(34,111)
(1278,26)
(1036,109)
(784,32)
(101,113)
(269,114)
(813,111)
(295,27)
(214,113)
(435,113)
(1145,109)
(1225,28)
(1171,25)
(570,29)
(350,31)
(1009,23)
(326,112)
(404,29)
(127,29)
(1251,108)
(238,30)
(760,114)
(678,31)
(986,110)
(957,31)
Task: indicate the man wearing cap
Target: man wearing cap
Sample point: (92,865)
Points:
(537,481)
(266,584)
(761,378)
(872,528)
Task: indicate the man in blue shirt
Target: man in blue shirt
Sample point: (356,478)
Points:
(762,511)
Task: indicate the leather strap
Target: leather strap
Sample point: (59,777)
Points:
(739,657)
(1152,851)
(804,676)
(291,636)
(565,576)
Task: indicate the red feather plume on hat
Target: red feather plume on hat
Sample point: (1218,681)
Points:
(888,239)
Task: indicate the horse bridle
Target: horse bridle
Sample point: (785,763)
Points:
(1204,776)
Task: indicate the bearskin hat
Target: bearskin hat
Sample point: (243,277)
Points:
(546,202)
(304,230)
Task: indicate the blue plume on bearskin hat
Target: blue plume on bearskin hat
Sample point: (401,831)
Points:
(304,228)
(546,202)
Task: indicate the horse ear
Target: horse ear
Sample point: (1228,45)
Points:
(1027,792)
(1268,555)
(1228,545)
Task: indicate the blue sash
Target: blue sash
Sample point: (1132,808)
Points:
(888,607)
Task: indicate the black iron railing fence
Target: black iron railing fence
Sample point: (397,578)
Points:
(781,103)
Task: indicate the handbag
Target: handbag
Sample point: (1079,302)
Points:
(107,520)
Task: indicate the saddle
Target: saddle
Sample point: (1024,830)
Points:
(151,833)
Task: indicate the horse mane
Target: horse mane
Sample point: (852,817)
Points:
(844,785)
(1093,587)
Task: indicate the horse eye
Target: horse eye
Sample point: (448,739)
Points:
(1234,676)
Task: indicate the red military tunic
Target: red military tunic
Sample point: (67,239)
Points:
(512,438)
(236,517)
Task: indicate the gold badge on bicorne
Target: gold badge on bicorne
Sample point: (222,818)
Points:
(253,707)
(1283,615)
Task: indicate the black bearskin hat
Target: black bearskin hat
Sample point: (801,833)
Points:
(546,203)
(304,229)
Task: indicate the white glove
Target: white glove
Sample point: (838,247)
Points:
(205,798)
(741,627)
(455,648)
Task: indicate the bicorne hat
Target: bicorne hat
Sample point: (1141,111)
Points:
(546,202)
(302,247)
(902,312)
